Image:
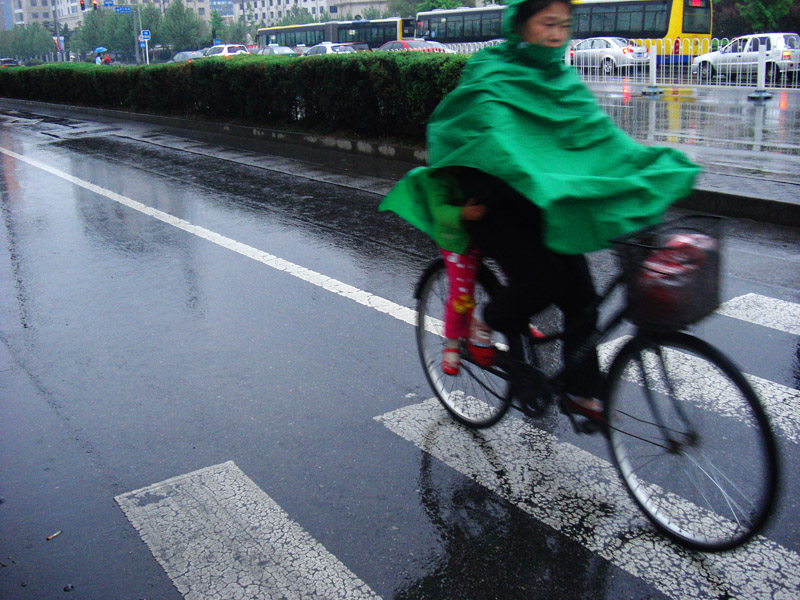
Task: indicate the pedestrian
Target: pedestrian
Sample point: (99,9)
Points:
(557,179)
(106,59)
(98,60)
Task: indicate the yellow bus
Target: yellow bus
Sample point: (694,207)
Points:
(678,28)
(373,32)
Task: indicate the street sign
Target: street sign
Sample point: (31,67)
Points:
(122,9)
(145,34)
(142,44)
(108,3)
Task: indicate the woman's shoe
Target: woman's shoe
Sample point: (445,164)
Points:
(451,361)
(586,407)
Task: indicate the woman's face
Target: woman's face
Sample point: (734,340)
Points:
(550,27)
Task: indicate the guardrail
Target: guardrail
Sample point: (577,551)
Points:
(671,64)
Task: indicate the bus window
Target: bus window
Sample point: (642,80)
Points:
(655,19)
(423,29)
(629,19)
(438,28)
(472,26)
(490,26)
(580,19)
(604,19)
(455,27)
(696,16)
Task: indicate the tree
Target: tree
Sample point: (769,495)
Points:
(375,13)
(764,15)
(410,8)
(29,41)
(403,8)
(153,20)
(233,32)
(296,16)
(182,28)
(216,22)
(104,28)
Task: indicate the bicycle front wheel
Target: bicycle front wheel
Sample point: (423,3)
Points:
(691,441)
(477,397)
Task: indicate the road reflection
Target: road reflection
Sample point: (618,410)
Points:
(489,547)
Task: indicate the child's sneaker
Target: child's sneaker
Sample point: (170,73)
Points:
(451,361)
(480,344)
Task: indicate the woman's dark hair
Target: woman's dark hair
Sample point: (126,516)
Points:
(530,7)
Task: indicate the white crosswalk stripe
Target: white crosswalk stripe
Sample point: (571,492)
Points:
(194,523)
(580,495)
(781,403)
(220,537)
(765,311)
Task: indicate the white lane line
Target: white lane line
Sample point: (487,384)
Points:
(580,495)
(784,401)
(219,536)
(781,403)
(345,290)
(765,311)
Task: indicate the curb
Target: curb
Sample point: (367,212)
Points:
(727,195)
(256,134)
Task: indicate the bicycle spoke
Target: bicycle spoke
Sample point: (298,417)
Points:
(706,479)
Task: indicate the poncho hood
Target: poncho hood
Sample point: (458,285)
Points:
(521,114)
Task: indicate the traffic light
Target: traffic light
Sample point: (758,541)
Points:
(94,4)
(83,5)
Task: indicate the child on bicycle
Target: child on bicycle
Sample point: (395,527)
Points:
(557,179)
(442,216)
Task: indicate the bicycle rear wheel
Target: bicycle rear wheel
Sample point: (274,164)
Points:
(477,397)
(691,441)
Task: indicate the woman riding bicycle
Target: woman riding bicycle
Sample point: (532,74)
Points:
(523,139)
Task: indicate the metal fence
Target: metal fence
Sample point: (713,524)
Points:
(671,63)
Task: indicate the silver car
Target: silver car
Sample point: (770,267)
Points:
(187,56)
(609,54)
(739,58)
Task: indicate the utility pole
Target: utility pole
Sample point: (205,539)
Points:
(135,34)
(55,20)
(139,12)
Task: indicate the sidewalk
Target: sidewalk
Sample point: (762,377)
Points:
(750,151)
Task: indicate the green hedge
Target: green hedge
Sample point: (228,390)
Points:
(377,95)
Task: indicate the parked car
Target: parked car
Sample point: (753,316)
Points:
(226,50)
(442,46)
(8,62)
(357,46)
(609,54)
(274,50)
(187,56)
(739,58)
(328,48)
(412,45)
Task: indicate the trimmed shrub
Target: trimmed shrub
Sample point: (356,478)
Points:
(376,95)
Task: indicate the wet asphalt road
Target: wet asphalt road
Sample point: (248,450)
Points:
(133,351)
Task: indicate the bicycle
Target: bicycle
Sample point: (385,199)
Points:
(706,481)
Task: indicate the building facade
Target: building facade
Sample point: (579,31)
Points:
(269,12)
(252,12)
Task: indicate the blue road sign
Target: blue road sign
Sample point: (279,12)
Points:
(145,34)
(108,3)
(142,45)
(122,9)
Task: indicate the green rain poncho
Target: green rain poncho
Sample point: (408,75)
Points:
(521,114)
